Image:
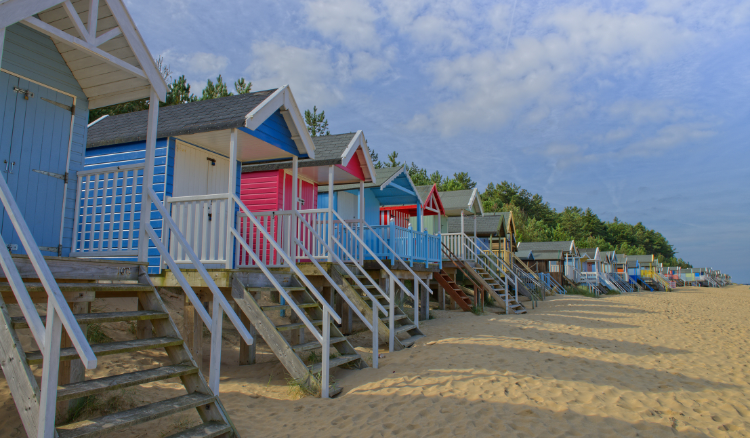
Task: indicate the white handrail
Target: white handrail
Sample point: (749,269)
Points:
(220,303)
(374,256)
(392,251)
(283,255)
(340,262)
(59,314)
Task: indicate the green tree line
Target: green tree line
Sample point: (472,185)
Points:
(536,221)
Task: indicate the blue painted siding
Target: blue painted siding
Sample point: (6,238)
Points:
(135,153)
(275,131)
(372,204)
(33,55)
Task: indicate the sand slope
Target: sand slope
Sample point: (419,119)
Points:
(644,364)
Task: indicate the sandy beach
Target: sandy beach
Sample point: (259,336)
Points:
(644,364)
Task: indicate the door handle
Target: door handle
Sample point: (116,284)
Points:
(11,167)
(6,165)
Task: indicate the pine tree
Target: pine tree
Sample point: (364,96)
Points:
(179,92)
(242,87)
(316,123)
(213,91)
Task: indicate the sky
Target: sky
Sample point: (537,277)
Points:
(638,110)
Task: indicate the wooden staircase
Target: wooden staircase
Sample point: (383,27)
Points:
(497,291)
(125,280)
(288,336)
(454,290)
(407,333)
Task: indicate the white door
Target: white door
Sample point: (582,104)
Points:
(347,207)
(199,172)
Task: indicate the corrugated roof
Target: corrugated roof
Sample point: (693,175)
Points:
(187,118)
(328,151)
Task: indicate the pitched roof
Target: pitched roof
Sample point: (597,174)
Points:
(486,225)
(588,252)
(456,200)
(548,255)
(382,176)
(526,255)
(565,246)
(329,149)
(187,118)
(424,191)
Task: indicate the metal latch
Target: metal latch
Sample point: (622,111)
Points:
(27,94)
(213,162)
(12,247)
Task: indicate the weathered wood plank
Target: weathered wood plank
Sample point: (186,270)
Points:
(109,348)
(81,287)
(41,297)
(19,322)
(97,386)
(74,268)
(206,430)
(121,420)
(21,381)
(335,362)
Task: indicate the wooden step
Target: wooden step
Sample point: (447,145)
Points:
(108,348)
(408,342)
(97,386)
(111,423)
(405,328)
(315,344)
(395,318)
(296,325)
(84,287)
(335,362)
(206,430)
(273,289)
(287,306)
(19,322)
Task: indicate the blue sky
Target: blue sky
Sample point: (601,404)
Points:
(638,111)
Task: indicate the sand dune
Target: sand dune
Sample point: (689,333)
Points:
(645,364)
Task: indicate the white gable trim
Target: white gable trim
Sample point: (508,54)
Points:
(283,99)
(358,142)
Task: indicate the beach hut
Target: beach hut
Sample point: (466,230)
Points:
(343,161)
(433,218)
(60,60)
(554,258)
(202,147)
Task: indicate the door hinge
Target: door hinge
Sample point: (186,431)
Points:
(27,94)
(61,105)
(63,177)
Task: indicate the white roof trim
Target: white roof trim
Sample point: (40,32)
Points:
(359,141)
(283,99)
(395,175)
(97,120)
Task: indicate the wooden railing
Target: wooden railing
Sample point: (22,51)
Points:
(203,221)
(107,212)
(47,337)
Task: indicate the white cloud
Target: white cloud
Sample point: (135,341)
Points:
(668,137)
(199,65)
(349,22)
(310,72)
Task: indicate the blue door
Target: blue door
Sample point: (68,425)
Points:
(34,139)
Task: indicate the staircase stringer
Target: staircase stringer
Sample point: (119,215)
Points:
(180,354)
(267,329)
(361,304)
(457,298)
(21,381)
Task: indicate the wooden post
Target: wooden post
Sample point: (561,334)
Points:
(330,212)
(326,353)
(148,175)
(416,300)
(193,331)
(295,207)
(71,371)
(144,329)
(247,352)
(425,298)
(441,297)
(361,220)
(51,353)
(232,188)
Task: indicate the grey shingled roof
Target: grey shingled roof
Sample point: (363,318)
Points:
(456,199)
(187,118)
(424,191)
(589,252)
(548,255)
(381,175)
(526,255)
(546,246)
(328,151)
(486,225)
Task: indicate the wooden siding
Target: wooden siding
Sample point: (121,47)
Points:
(259,191)
(308,192)
(32,55)
(275,131)
(135,153)
(372,205)
(354,167)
